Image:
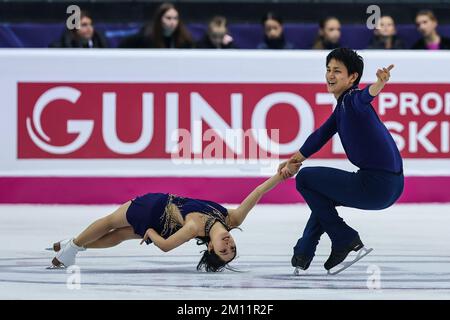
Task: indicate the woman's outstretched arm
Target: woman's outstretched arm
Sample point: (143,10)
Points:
(186,233)
(237,216)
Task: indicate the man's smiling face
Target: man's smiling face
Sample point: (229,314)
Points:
(338,79)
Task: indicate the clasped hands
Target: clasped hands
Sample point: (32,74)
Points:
(289,168)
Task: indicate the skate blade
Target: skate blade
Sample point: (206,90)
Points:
(52,267)
(299,272)
(56,265)
(361,254)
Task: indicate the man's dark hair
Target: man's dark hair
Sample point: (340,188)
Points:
(352,61)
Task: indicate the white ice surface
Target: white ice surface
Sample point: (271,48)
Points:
(411,249)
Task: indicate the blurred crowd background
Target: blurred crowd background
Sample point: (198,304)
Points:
(257,24)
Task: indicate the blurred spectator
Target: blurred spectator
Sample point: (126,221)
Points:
(216,37)
(84,37)
(273,33)
(385,35)
(329,34)
(427,23)
(167,31)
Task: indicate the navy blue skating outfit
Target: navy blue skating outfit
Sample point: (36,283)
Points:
(153,210)
(376,185)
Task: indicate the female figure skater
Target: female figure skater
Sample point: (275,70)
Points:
(168,221)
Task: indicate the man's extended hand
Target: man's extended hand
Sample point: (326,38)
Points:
(290,169)
(384,74)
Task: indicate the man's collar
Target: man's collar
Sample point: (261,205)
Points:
(345,92)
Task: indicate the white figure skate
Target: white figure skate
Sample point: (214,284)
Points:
(66,256)
(58,245)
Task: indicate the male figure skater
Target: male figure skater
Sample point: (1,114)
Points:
(368,145)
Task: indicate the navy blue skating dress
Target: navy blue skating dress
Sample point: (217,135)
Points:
(155,210)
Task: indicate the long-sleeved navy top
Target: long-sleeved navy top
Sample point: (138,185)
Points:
(366,141)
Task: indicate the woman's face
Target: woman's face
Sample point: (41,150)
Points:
(425,25)
(386,27)
(332,31)
(216,35)
(86,30)
(170,20)
(224,246)
(273,29)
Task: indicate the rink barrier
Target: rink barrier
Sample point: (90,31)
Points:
(72,121)
(104,190)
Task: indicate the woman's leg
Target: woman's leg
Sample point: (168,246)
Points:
(103,226)
(113,238)
(103,233)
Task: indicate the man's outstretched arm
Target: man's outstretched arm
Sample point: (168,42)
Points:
(383,76)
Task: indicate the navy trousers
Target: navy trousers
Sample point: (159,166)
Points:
(325,188)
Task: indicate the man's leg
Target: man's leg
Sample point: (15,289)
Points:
(305,248)
(307,244)
(323,189)
(328,219)
(343,188)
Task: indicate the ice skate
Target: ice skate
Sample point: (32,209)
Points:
(337,258)
(361,254)
(66,256)
(301,264)
(57,246)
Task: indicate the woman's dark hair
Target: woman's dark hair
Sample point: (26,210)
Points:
(319,40)
(219,22)
(350,58)
(271,16)
(211,262)
(181,35)
(323,22)
(86,14)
